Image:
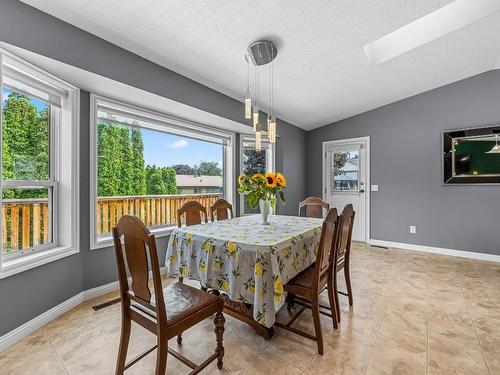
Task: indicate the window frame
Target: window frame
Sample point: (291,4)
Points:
(270,164)
(63,167)
(161,120)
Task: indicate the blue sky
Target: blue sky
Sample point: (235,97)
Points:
(163,149)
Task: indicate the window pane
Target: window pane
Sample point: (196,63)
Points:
(25,142)
(26,218)
(151,174)
(254,162)
(345,170)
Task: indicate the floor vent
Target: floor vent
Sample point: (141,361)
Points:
(105,304)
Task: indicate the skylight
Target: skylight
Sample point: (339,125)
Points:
(451,17)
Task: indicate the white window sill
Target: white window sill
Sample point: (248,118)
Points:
(27,262)
(107,241)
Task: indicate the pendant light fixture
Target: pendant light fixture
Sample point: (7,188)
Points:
(496,147)
(248,99)
(260,53)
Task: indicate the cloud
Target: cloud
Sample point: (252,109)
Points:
(179,144)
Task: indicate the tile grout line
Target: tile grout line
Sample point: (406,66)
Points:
(473,324)
(54,350)
(378,334)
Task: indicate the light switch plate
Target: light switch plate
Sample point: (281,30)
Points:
(413,229)
(374,187)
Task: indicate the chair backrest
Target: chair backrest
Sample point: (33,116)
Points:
(193,211)
(345,231)
(138,246)
(313,207)
(327,243)
(222,209)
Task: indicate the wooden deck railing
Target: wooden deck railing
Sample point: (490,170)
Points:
(153,210)
(25,222)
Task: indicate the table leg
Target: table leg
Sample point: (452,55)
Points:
(244,313)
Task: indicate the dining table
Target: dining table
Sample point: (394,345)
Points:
(246,262)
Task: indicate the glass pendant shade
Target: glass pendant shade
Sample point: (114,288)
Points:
(248,108)
(271,129)
(258,141)
(255,118)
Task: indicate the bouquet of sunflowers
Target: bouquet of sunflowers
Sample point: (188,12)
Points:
(261,187)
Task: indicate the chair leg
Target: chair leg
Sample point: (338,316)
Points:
(161,355)
(336,294)
(333,305)
(347,275)
(290,303)
(179,339)
(124,341)
(317,325)
(219,334)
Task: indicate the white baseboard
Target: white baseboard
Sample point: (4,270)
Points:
(436,250)
(17,334)
(31,326)
(100,290)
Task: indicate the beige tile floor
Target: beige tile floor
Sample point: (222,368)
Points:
(414,313)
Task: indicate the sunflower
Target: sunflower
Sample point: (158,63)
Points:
(281,180)
(271,180)
(257,176)
(240,179)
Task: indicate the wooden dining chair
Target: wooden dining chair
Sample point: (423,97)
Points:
(194,211)
(222,209)
(313,207)
(340,258)
(309,284)
(166,312)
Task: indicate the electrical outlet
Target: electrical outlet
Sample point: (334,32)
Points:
(374,187)
(413,229)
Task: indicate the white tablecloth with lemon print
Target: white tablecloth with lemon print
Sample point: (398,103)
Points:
(245,259)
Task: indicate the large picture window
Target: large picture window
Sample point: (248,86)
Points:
(148,165)
(37,127)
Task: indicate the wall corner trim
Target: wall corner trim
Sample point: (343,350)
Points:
(17,334)
(436,250)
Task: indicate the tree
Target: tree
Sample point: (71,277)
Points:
(25,144)
(208,168)
(138,171)
(254,162)
(339,160)
(156,185)
(183,169)
(160,181)
(108,162)
(168,176)
(126,186)
(7,169)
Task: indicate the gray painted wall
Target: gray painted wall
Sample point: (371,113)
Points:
(406,164)
(28,294)
(405,158)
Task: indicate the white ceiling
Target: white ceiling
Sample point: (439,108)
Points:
(321,73)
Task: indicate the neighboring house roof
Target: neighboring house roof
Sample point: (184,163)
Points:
(198,181)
